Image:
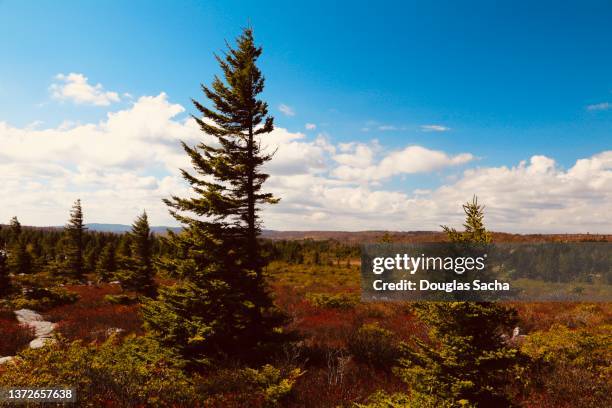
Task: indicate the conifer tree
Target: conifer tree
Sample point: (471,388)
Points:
(15,229)
(107,263)
(466,362)
(137,273)
(20,260)
(316,258)
(475,231)
(91,258)
(221,305)
(386,238)
(5,280)
(75,231)
(124,249)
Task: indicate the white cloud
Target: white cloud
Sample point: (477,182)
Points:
(286,110)
(294,154)
(125,162)
(310,126)
(533,196)
(34,125)
(387,127)
(359,166)
(599,106)
(129,161)
(539,196)
(74,87)
(434,128)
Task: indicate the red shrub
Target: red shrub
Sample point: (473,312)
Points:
(14,336)
(405,326)
(324,327)
(98,323)
(92,318)
(333,386)
(542,316)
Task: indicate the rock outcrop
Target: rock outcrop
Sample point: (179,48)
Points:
(43,330)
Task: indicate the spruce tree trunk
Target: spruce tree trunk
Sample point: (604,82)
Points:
(251,224)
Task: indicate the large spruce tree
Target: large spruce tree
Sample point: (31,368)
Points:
(137,272)
(74,235)
(221,305)
(466,362)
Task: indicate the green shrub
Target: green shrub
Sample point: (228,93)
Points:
(381,399)
(271,382)
(374,346)
(582,347)
(40,280)
(121,299)
(41,299)
(572,367)
(135,372)
(266,386)
(329,301)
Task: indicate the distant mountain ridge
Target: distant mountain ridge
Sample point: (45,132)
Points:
(345,236)
(101,227)
(121,228)
(360,237)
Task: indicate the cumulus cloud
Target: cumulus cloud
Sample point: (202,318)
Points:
(358,164)
(355,154)
(310,126)
(538,195)
(532,196)
(129,161)
(599,106)
(286,110)
(76,88)
(126,162)
(434,128)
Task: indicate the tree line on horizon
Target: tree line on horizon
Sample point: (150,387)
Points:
(100,257)
(73,253)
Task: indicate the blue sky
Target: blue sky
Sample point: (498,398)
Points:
(505,81)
